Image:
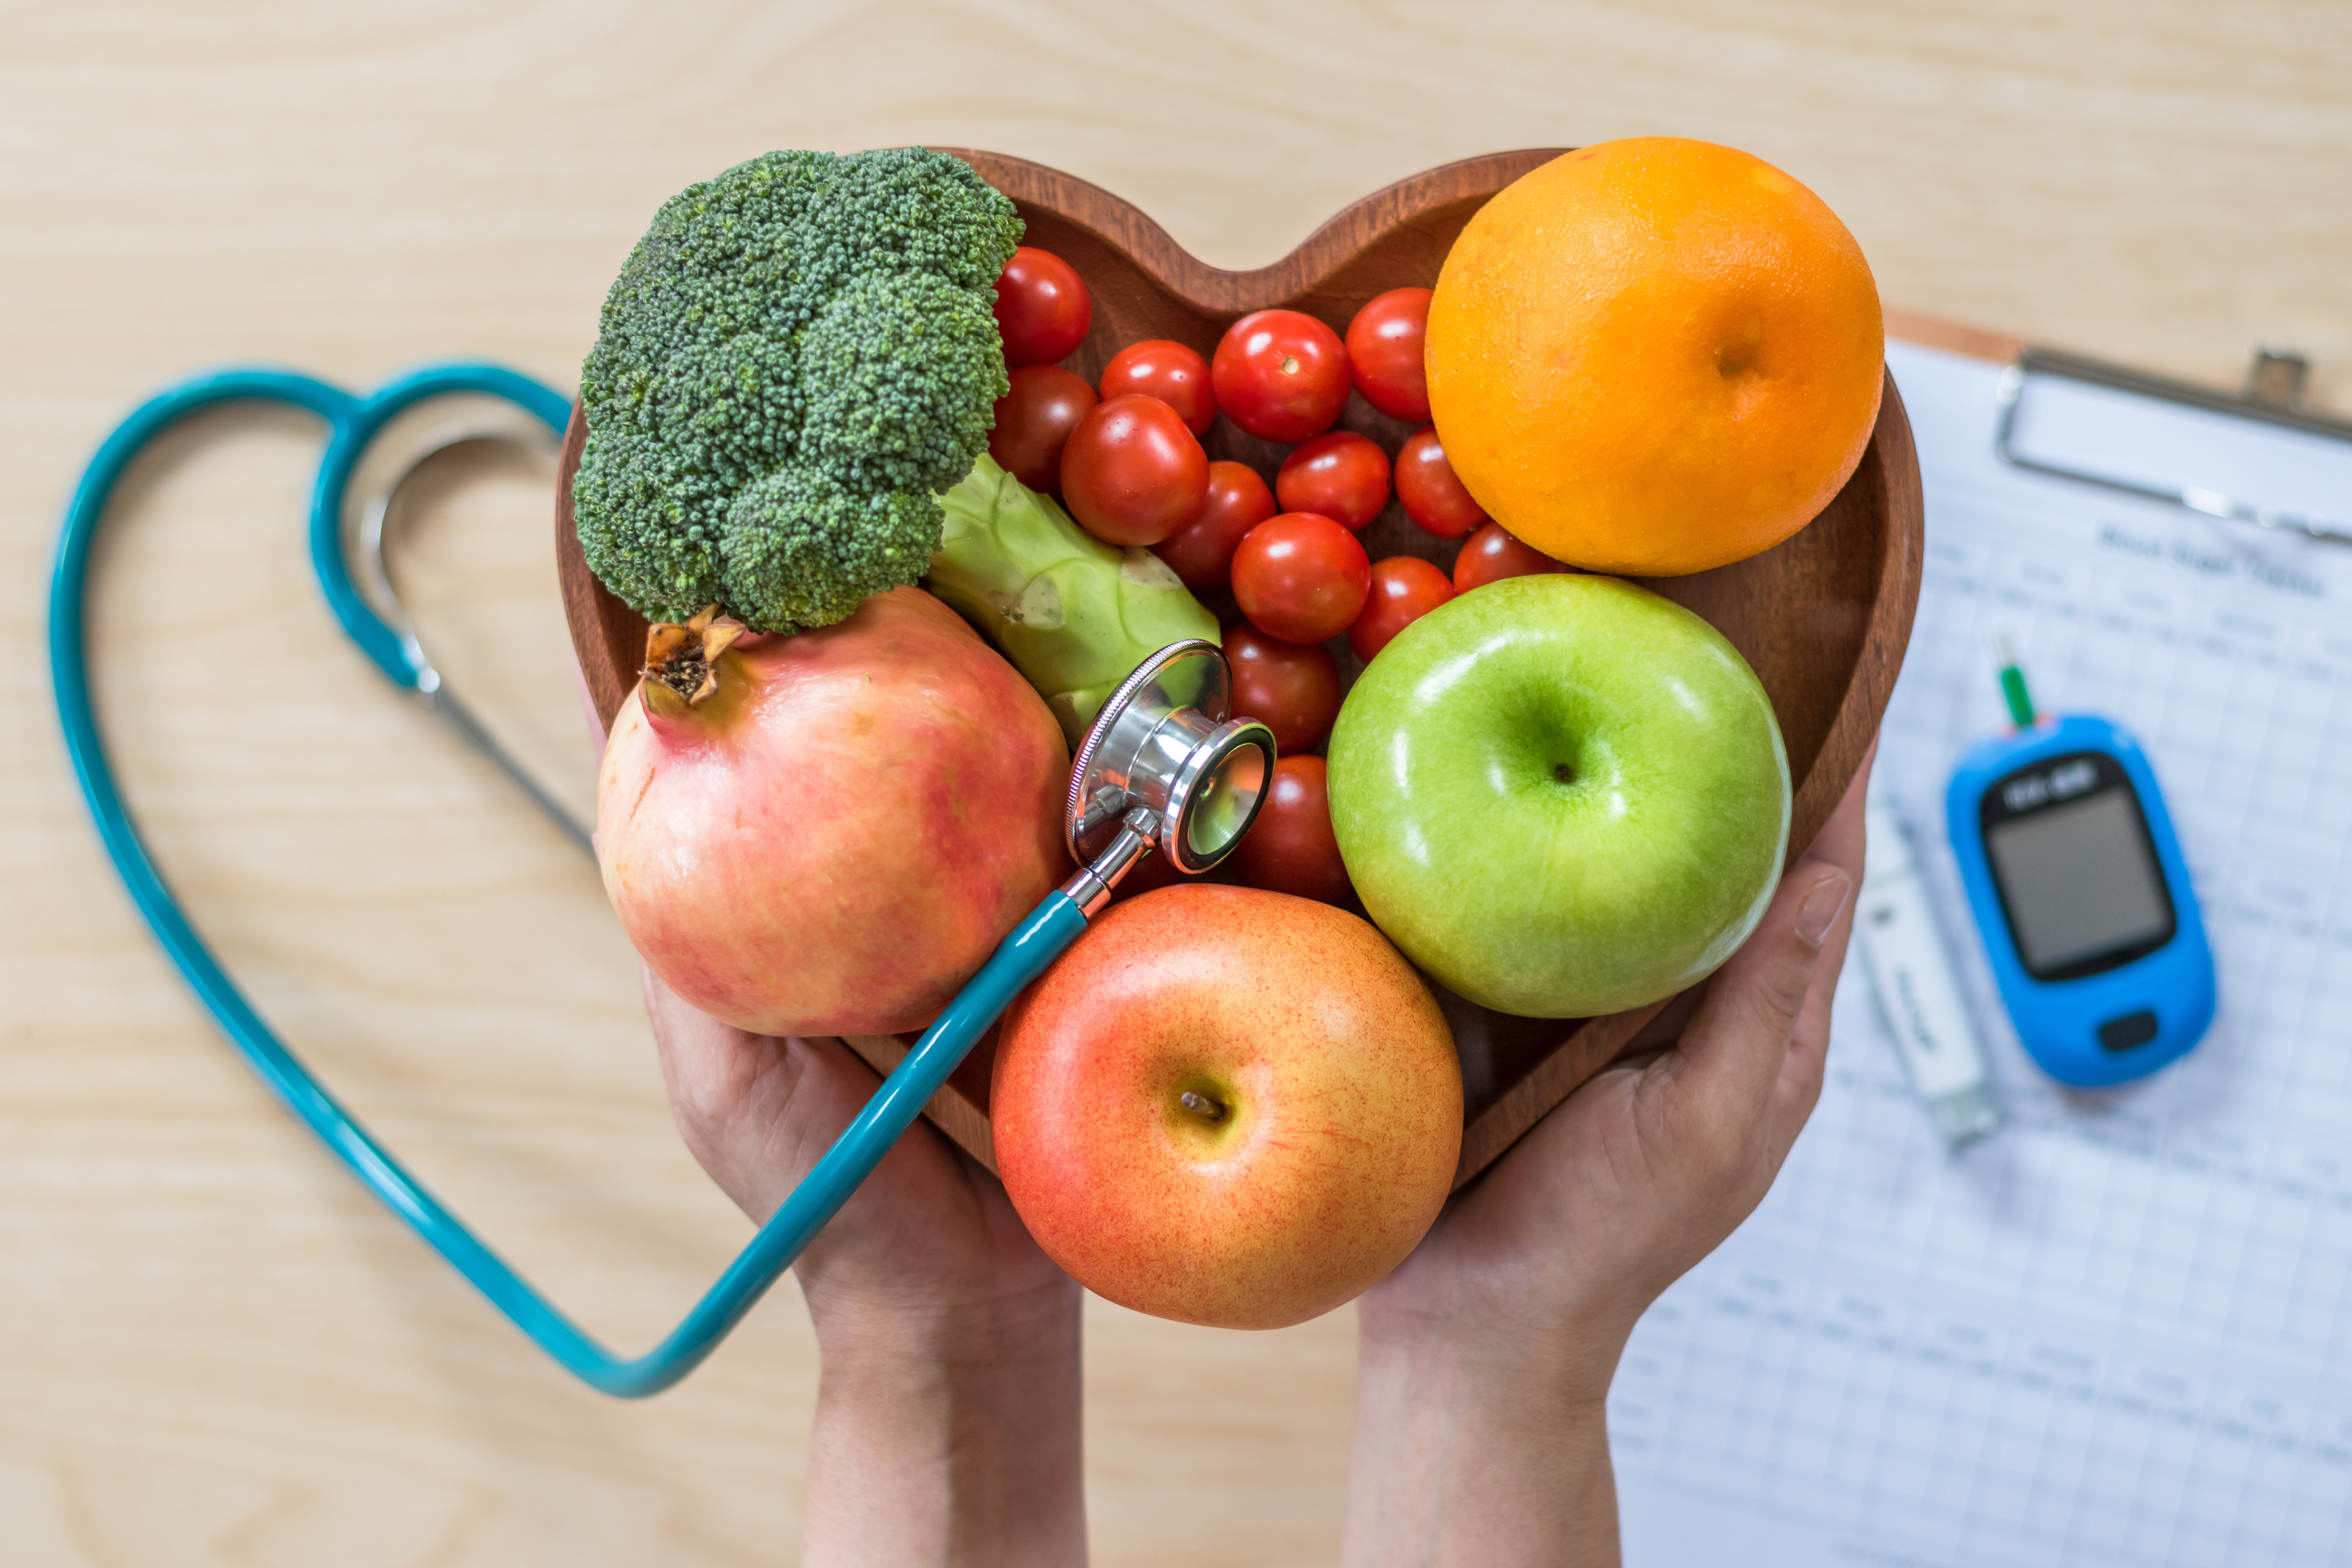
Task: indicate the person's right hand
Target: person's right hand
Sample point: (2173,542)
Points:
(1486,1355)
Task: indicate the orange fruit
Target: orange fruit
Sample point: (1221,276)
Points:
(1654,356)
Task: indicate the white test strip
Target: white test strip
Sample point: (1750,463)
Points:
(1911,976)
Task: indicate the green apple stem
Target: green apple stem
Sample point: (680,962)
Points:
(1201,1105)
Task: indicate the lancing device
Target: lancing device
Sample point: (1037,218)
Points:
(1917,990)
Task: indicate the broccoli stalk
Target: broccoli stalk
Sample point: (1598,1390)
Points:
(1075,615)
(796,358)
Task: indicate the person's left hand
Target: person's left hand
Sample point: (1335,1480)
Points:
(929,1235)
(948,1412)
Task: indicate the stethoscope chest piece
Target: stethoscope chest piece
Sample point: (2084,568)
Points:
(1163,767)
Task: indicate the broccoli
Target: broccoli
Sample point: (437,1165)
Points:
(797,357)
(1075,615)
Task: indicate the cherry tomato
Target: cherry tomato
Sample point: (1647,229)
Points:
(1035,420)
(1339,473)
(1301,577)
(1431,494)
(1490,555)
(1202,553)
(1131,473)
(1043,309)
(1404,589)
(1169,371)
(1293,688)
(1384,351)
(1280,374)
(1291,848)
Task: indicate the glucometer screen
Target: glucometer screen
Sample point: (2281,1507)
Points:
(2076,871)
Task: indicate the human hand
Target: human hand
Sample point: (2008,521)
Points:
(948,1410)
(930,1237)
(1487,1356)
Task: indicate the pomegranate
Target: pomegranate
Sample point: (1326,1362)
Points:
(828,833)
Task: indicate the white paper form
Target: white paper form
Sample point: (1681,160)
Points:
(2118,1331)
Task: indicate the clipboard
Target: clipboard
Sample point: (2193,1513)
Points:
(2272,396)
(2118,1333)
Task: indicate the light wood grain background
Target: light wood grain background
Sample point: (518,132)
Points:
(214,1350)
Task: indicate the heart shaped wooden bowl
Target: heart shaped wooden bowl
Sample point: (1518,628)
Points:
(1821,618)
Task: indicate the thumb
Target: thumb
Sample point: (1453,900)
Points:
(1734,1048)
(756,1110)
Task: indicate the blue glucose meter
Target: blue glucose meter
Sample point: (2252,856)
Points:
(2076,881)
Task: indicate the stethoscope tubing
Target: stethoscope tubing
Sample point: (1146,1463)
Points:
(1018,960)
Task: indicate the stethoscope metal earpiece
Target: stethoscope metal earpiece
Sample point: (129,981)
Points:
(1163,767)
(390,461)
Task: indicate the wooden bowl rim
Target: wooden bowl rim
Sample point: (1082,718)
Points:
(1327,248)
(1889,461)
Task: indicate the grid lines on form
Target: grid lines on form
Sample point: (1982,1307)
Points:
(2115,1334)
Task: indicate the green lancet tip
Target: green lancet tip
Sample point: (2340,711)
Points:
(2020,705)
(2012,682)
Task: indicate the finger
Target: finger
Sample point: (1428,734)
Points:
(756,1110)
(1730,1059)
(1667,1028)
(1802,1070)
(698,1054)
(1841,842)
(717,1075)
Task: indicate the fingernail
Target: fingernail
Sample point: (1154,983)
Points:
(1819,911)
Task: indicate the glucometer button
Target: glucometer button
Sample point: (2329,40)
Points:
(2131,1029)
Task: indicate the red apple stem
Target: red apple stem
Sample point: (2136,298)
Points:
(1201,1105)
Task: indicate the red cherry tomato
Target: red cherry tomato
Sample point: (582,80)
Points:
(1490,555)
(1035,420)
(1384,351)
(1291,848)
(1169,371)
(1431,494)
(1404,589)
(1202,553)
(1293,688)
(1043,309)
(1301,577)
(1280,374)
(1341,475)
(1131,473)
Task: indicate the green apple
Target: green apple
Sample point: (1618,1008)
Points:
(1561,795)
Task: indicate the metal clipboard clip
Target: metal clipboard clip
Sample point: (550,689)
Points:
(2273,396)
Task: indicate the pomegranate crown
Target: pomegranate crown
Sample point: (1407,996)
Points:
(681,669)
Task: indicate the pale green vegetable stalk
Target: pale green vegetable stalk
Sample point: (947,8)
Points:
(1075,615)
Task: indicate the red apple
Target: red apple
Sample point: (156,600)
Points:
(838,835)
(1228,1106)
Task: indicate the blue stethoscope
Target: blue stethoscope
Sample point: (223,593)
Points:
(1162,767)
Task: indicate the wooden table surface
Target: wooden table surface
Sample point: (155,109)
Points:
(214,1348)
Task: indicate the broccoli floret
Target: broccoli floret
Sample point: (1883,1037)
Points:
(797,357)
